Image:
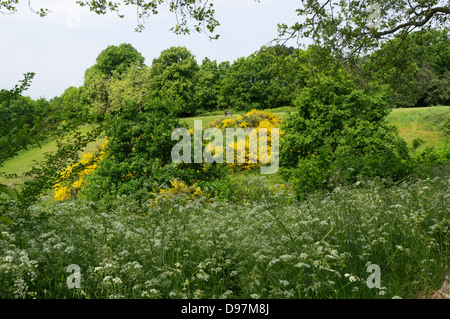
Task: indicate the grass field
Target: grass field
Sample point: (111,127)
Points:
(421,123)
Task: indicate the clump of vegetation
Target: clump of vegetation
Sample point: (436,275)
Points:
(72,179)
(259,121)
(352,193)
(339,133)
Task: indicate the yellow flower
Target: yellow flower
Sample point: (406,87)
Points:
(71,179)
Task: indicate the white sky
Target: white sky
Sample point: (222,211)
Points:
(61,46)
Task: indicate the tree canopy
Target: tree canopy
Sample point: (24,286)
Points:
(351,28)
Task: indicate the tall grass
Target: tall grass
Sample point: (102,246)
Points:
(266,245)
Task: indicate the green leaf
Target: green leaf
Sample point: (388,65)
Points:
(11,192)
(6,221)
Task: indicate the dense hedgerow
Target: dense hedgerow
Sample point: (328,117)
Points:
(270,247)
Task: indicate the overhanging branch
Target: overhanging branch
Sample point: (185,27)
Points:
(430,13)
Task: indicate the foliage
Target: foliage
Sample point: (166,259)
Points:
(178,193)
(416,68)
(434,158)
(209,79)
(112,63)
(129,86)
(71,181)
(138,153)
(96,92)
(351,29)
(200,11)
(28,123)
(23,120)
(72,104)
(265,79)
(270,248)
(138,158)
(340,132)
(174,79)
(44,175)
(446,128)
(256,120)
(118,59)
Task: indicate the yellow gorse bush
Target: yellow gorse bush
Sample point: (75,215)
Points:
(256,119)
(72,179)
(178,191)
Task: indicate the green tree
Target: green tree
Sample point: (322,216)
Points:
(207,87)
(174,77)
(118,59)
(72,103)
(339,133)
(348,29)
(131,85)
(96,91)
(111,62)
(415,66)
(265,79)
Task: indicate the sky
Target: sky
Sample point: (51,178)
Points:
(60,47)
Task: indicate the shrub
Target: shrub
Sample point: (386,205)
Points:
(340,132)
(73,178)
(138,159)
(253,119)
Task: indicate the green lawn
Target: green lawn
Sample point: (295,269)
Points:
(421,123)
(26,159)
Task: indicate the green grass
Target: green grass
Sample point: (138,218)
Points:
(420,123)
(25,160)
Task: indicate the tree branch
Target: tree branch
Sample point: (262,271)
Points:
(428,16)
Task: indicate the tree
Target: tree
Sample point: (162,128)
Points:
(416,67)
(111,62)
(265,79)
(339,133)
(207,90)
(131,85)
(96,91)
(351,28)
(173,78)
(118,59)
(200,11)
(72,103)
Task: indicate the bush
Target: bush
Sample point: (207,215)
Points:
(253,119)
(339,133)
(138,160)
